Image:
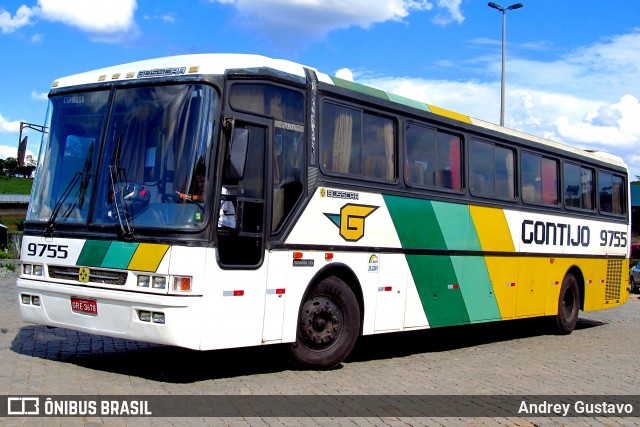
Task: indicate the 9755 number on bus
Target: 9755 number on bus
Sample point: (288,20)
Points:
(615,239)
(48,250)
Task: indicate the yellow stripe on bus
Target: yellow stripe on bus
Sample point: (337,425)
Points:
(148,257)
(448,113)
(493,231)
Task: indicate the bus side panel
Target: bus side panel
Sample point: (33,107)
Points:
(534,273)
(391,299)
(476,288)
(504,278)
(234,306)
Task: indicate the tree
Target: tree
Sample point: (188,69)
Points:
(25,171)
(1,167)
(11,165)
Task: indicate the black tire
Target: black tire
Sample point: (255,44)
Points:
(568,305)
(328,326)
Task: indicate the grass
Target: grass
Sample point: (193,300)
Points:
(12,222)
(9,185)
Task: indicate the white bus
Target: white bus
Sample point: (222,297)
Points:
(218,201)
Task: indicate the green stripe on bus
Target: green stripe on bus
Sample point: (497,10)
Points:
(93,253)
(417,225)
(456,226)
(415,222)
(359,88)
(476,288)
(119,255)
(437,286)
(408,102)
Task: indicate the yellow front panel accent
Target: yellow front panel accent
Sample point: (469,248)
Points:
(449,113)
(148,257)
(493,231)
(503,272)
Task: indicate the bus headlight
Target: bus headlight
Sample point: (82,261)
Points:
(143,281)
(32,269)
(159,282)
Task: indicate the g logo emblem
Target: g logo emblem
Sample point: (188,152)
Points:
(351,220)
(83,275)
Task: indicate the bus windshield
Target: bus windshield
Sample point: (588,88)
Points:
(126,157)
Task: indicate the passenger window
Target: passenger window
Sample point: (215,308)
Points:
(539,179)
(491,170)
(432,158)
(578,187)
(357,143)
(611,193)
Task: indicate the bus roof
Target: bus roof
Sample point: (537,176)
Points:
(218,64)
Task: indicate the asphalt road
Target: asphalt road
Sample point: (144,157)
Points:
(601,357)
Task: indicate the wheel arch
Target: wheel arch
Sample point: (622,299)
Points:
(344,273)
(577,273)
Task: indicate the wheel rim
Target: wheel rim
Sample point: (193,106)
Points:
(321,322)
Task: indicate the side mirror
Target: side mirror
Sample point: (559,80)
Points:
(237,153)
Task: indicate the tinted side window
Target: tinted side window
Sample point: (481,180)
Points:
(356,142)
(432,158)
(578,187)
(611,193)
(539,179)
(268,100)
(491,170)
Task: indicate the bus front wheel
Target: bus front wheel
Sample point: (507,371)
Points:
(568,305)
(328,326)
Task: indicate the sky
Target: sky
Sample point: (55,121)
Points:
(572,69)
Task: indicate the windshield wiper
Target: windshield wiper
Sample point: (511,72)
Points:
(115,174)
(83,177)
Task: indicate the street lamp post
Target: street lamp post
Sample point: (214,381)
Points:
(504,49)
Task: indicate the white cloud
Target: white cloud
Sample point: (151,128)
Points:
(169,17)
(102,18)
(39,96)
(452,12)
(315,18)
(93,16)
(615,125)
(9,24)
(345,73)
(9,127)
(603,70)
(7,151)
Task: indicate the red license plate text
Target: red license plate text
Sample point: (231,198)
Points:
(85,306)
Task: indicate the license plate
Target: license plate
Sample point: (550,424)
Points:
(84,306)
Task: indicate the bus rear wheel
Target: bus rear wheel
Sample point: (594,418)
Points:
(568,305)
(328,326)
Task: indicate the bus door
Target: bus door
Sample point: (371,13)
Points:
(240,228)
(240,232)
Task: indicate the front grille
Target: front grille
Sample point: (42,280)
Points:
(614,279)
(96,275)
